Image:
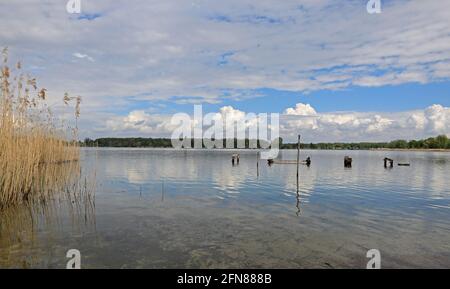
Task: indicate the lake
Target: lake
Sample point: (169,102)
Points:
(162,208)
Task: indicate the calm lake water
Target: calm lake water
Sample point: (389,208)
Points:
(159,208)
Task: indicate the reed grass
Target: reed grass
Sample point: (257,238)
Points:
(26,228)
(38,156)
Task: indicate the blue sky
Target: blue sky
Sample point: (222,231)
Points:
(405,97)
(366,76)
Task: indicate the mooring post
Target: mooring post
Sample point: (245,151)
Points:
(391,162)
(348,162)
(298,159)
(235,158)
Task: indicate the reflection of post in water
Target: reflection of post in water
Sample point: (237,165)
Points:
(162,191)
(298,204)
(257,164)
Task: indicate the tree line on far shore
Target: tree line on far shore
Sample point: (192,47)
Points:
(439,142)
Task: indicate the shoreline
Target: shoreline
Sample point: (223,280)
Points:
(413,150)
(247,149)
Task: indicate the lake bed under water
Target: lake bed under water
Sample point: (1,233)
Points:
(163,208)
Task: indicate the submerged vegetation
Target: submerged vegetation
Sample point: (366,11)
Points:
(37,155)
(20,226)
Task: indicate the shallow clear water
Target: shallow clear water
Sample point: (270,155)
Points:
(192,209)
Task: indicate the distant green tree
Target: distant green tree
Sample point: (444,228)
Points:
(442,141)
(439,142)
(398,144)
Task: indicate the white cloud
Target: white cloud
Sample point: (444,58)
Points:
(437,119)
(368,126)
(301,109)
(206,51)
(80,55)
(314,126)
(228,112)
(158,49)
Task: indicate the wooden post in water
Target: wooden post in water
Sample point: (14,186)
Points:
(298,164)
(235,157)
(298,159)
(348,162)
(391,162)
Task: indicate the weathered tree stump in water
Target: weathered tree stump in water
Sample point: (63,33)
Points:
(391,162)
(348,162)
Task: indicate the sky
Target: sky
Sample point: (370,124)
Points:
(332,71)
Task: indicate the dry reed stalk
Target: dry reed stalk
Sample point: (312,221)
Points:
(37,157)
(20,225)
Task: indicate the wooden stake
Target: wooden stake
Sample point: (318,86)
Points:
(298,159)
(298,164)
(298,154)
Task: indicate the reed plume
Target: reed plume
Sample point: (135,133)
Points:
(37,156)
